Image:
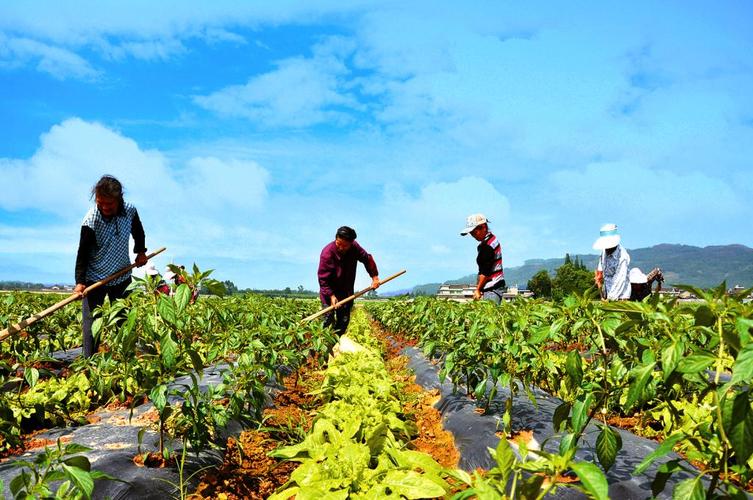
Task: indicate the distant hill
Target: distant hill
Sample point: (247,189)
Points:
(703,267)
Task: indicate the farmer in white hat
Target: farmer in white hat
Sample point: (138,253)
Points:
(611,275)
(491,276)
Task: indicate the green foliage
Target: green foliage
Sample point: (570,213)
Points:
(541,284)
(571,278)
(669,362)
(356,447)
(534,476)
(58,472)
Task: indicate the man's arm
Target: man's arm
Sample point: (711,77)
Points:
(482,281)
(139,239)
(368,262)
(325,274)
(86,244)
(485,261)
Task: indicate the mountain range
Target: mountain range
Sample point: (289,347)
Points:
(685,264)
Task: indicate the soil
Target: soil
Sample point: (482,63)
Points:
(247,470)
(129,403)
(30,442)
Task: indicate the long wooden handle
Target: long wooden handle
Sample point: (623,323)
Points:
(13,329)
(352,297)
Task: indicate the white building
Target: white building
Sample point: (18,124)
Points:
(464,293)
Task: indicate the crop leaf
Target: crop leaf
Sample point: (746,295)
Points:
(695,363)
(704,316)
(169,350)
(592,479)
(505,457)
(663,473)
(411,484)
(664,448)
(81,479)
(608,444)
(567,442)
(580,413)
(574,368)
(690,489)
(560,416)
(642,376)
(31,375)
(79,461)
(737,418)
(182,296)
(166,309)
(742,370)
(670,358)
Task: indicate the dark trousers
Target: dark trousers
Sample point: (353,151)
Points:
(339,318)
(94,299)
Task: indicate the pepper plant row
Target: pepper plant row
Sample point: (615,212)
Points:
(150,340)
(685,368)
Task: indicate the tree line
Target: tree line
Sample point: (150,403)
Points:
(572,276)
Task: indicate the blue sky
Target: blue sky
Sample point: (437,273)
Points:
(247,132)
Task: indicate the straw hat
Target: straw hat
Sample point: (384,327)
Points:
(608,237)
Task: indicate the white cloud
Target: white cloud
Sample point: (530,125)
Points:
(143,30)
(237,184)
(653,205)
(58,62)
(300,92)
(421,232)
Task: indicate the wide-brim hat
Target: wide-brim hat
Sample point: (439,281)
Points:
(472,222)
(608,237)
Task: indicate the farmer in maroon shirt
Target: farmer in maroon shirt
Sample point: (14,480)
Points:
(337,275)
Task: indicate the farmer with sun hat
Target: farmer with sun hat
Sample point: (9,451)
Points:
(491,276)
(611,275)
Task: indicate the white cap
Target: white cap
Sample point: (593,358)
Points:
(151,270)
(472,222)
(608,237)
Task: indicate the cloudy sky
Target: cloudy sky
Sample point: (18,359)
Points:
(247,132)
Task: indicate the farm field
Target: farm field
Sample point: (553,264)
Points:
(234,398)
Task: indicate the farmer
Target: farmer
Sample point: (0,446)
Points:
(491,276)
(161,285)
(179,278)
(337,275)
(103,250)
(611,275)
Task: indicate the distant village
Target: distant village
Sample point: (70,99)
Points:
(464,293)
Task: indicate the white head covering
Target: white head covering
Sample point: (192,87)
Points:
(637,276)
(472,222)
(608,237)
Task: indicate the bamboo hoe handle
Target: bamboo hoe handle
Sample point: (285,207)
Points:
(352,297)
(13,329)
